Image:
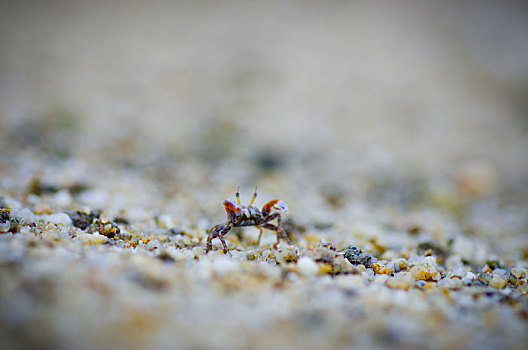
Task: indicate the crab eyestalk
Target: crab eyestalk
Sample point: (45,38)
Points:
(254,196)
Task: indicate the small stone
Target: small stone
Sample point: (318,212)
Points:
(324,254)
(87,238)
(288,254)
(469,279)
(357,256)
(398,265)
(104,227)
(5,215)
(498,281)
(426,270)
(420,284)
(402,280)
(518,272)
(26,215)
(502,272)
(470,275)
(307,266)
(451,283)
(459,272)
(325,268)
(5,220)
(342,265)
(421,274)
(82,219)
(4,227)
(59,219)
(381,269)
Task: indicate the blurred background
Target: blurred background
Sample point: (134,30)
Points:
(408,104)
(399,127)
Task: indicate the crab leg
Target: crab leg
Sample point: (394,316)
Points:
(280,232)
(218,231)
(260,235)
(272,217)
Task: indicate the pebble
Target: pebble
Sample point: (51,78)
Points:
(397,265)
(450,283)
(459,272)
(307,266)
(402,280)
(470,275)
(426,269)
(381,269)
(95,238)
(498,281)
(358,256)
(58,219)
(518,272)
(4,227)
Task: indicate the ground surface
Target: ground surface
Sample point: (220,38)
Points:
(396,135)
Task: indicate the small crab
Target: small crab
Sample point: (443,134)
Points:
(239,216)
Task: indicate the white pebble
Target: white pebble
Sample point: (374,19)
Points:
(518,272)
(470,275)
(4,227)
(451,283)
(307,266)
(95,238)
(459,272)
(58,219)
(25,214)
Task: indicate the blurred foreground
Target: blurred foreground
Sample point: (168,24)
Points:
(398,128)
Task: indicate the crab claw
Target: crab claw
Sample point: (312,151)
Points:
(231,206)
(282,206)
(275,204)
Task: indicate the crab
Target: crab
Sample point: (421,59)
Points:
(239,215)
